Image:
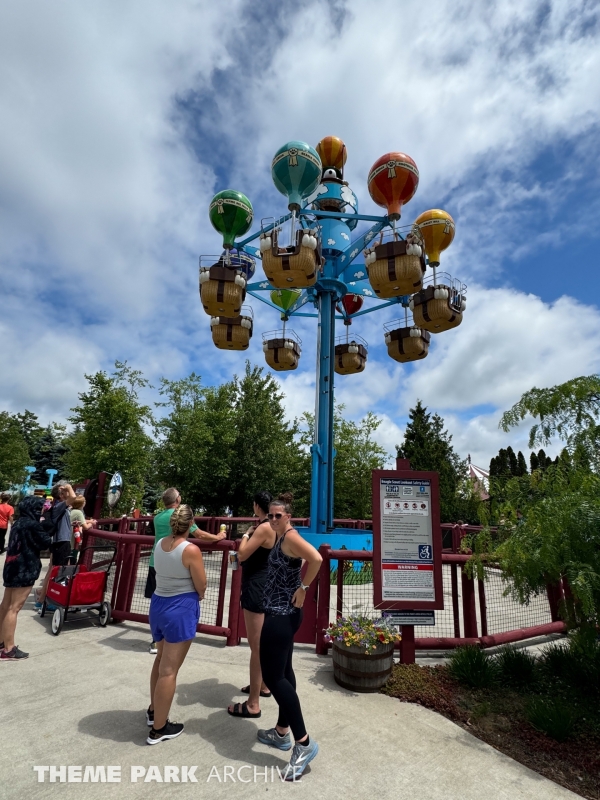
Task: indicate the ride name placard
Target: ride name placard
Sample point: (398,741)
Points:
(406,540)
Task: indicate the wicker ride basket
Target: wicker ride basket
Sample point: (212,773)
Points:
(409,343)
(222,291)
(392,271)
(282,349)
(350,358)
(291,267)
(437,308)
(231,333)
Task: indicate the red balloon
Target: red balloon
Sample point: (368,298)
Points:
(393,180)
(352,303)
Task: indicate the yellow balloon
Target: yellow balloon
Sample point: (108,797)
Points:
(437,229)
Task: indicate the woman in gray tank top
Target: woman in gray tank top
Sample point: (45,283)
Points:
(174,614)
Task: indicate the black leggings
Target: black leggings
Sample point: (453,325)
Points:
(276,648)
(2,538)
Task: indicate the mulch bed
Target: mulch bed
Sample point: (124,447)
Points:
(497,716)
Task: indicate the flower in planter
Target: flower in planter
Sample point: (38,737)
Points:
(361,632)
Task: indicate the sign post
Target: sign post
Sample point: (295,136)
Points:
(407,549)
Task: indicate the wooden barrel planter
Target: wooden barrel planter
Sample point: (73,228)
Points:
(291,267)
(392,271)
(222,291)
(437,308)
(407,343)
(355,670)
(350,358)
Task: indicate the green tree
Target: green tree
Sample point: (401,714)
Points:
(48,452)
(521,464)
(196,441)
(357,454)
(266,453)
(14,452)
(220,445)
(550,522)
(429,447)
(31,431)
(110,432)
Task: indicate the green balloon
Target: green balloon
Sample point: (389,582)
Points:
(285,298)
(231,214)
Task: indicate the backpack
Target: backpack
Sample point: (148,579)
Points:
(51,520)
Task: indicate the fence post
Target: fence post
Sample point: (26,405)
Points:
(324,579)
(234,606)
(407,645)
(469,612)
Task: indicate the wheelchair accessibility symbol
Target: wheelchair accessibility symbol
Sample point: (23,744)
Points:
(425,552)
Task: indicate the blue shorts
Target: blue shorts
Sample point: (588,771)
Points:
(174,619)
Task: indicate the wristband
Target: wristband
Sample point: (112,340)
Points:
(305,586)
(246,536)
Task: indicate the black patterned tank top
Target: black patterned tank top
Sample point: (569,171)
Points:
(283,578)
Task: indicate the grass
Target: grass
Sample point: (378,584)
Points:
(472,667)
(515,667)
(552,716)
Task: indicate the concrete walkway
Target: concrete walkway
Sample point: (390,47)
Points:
(79,700)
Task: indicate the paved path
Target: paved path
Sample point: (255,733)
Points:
(79,700)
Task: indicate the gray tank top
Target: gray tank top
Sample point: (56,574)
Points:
(171,576)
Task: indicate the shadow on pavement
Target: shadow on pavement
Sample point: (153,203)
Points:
(209,693)
(116,726)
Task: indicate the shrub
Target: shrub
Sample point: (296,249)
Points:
(577,664)
(515,667)
(552,717)
(472,667)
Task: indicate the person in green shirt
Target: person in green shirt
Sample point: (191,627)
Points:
(171,500)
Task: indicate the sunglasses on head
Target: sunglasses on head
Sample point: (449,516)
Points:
(274,516)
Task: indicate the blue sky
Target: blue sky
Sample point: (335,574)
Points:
(120,121)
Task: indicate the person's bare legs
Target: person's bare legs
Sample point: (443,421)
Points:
(12,602)
(39,598)
(254,623)
(163,679)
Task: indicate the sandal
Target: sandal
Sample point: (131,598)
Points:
(241,710)
(246,690)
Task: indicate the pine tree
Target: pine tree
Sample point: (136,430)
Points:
(428,446)
(534,461)
(513,467)
(521,464)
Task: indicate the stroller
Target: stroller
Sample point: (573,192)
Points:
(80,588)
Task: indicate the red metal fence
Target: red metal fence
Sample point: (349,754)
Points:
(476,611)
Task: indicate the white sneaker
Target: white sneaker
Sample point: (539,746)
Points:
(153,649)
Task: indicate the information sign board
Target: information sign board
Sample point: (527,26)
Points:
(407,540)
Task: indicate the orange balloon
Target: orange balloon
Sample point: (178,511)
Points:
(332,152)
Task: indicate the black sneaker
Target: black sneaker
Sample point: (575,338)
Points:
(170,731)
(13,655)
(150,717)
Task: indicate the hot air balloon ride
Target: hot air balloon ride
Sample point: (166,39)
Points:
(392,181)
(233,333)
(332,152)
(439,307)
(333,193)
(396,268)
(282,349)
(291,267)
(350,353)
(406,342)
(222,288)
(296,169)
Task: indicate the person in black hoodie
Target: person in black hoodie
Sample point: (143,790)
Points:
(21,570)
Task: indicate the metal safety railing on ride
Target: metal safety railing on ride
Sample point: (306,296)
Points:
(475,611)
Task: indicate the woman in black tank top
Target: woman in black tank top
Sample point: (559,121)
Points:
(253,555)
(283,601)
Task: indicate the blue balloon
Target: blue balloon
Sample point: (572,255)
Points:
(296,171)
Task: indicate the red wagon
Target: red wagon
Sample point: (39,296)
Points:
(80,588)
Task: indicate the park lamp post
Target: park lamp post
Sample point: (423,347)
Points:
(316,268)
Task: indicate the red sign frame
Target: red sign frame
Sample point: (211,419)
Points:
(436,530)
